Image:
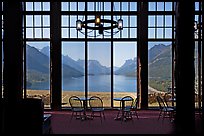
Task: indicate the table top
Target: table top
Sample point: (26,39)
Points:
(121,98)
(84,99)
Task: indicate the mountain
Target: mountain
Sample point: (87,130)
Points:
(128,68)
(94,67)
(46,50)
(155,51)
(38,65)
(159,63)
(159,58)
(36,61)
(72,63)
(65,59)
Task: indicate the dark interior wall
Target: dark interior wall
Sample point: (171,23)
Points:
(13,52)
(184,67)
(19,116)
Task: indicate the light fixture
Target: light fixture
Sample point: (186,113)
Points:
(101,25)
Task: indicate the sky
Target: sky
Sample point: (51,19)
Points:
(122,50)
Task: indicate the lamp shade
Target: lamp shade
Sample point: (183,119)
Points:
(78,24)
(120,24)
(97,20)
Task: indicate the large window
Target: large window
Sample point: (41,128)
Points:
(73,75)
(161,36)
(159,70)
(38,71)
(106,64)
(99,71)
(125,70)
(37,51)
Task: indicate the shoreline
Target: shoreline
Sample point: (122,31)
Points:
(105,96)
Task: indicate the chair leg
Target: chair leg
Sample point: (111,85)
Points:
(72,116)
(136,114)
(160,115)
(103,115)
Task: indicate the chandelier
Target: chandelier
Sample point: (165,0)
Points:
(99,24)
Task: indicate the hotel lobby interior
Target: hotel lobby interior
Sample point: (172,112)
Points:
(146,50)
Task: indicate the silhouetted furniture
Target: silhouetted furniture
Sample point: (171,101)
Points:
(47,129)
(166,112)
(76,107)
(170,100)
(126,104)
(1,116)
(134,108)
(96,106)
(23,117)
(31,116)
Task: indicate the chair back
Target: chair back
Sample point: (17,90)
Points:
(95,102)
(161,102)
(128,102)
(135,103)
(75,102)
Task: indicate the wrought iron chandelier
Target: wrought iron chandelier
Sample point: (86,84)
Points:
(99,24)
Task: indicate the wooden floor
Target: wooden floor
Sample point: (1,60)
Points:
(147,123)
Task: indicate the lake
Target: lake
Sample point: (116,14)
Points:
(96,83)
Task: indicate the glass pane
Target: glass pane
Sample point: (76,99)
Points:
(160,33)
(159,69)
(160,6)
(29,6)
(151,21)
(37,20)
(168,33)
(29,21)
(46,32)
(99,74)
(125,67)
(133,21)
(65,21)
(133,33)
(152,6)
(116,6)
(168,6)
(46,20)
(73,64)
(38,71)
(46,6)
(65,32)
(151,33)
(107,6)
(133,6)
(38,33)
(73,6)
(91,6)
(37,6)
(124,6)
(168,21)
(29,32)
(65,6)
(81,6)
(160,21)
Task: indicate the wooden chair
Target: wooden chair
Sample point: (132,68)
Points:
(166,112)
(96,106)
(76,107)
